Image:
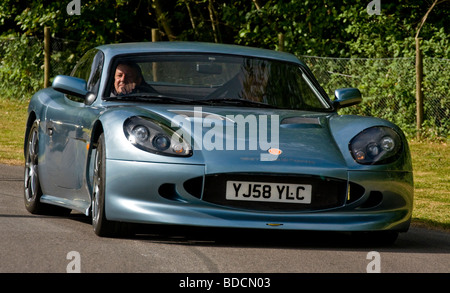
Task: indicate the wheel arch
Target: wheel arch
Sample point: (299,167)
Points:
(31,118)
(97,130)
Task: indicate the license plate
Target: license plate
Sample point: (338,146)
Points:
(269,192)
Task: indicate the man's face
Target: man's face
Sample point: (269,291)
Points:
(125,79)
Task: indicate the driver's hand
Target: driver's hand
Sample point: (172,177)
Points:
(126,88)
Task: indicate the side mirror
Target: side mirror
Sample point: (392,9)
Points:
(73,86)
(346,97)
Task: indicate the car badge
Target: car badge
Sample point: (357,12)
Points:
(274,151)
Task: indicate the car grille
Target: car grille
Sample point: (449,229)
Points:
(326,192)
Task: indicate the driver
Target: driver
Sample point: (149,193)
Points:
(128,79)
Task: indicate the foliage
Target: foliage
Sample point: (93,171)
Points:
(436,86)
(21,61)
(324,28)
(391,34)
(387,86)
(303,27)
(21,43)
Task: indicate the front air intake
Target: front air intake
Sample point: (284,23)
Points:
(374,199)
(194,186)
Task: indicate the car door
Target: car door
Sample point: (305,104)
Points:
(68,125)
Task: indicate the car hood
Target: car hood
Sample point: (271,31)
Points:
(231,139)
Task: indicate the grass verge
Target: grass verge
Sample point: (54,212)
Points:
(431,163)
(13,116)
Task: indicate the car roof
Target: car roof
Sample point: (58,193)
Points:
(113,50)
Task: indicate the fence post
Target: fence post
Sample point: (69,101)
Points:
(156,35)
(280,42)
(419,92)
(46,57)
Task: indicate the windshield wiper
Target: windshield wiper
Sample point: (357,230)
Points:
(241,102)
(150,97)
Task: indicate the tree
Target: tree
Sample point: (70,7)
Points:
(419,71)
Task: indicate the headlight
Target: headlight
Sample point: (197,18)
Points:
(152,136)
(375,145)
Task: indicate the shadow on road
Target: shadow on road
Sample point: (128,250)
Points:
(415,240)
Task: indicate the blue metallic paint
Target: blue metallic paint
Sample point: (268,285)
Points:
(134,176)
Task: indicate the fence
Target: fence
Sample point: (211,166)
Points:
(388,88)
(387,85)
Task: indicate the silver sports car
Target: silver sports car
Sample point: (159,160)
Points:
(211,135)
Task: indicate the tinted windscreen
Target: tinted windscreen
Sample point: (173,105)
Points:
(217,78)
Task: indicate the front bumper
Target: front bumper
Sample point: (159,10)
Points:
(155,193)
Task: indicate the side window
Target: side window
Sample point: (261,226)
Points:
(89,68)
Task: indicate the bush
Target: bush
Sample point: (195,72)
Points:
(21,67)
(388,88)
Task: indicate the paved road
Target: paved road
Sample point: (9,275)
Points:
(31,243)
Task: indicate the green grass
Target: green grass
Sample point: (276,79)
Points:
(431,163)
(12,131)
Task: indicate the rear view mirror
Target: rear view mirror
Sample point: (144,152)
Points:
(346,97)
(209,68)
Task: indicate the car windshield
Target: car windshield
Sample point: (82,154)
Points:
(216,80)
